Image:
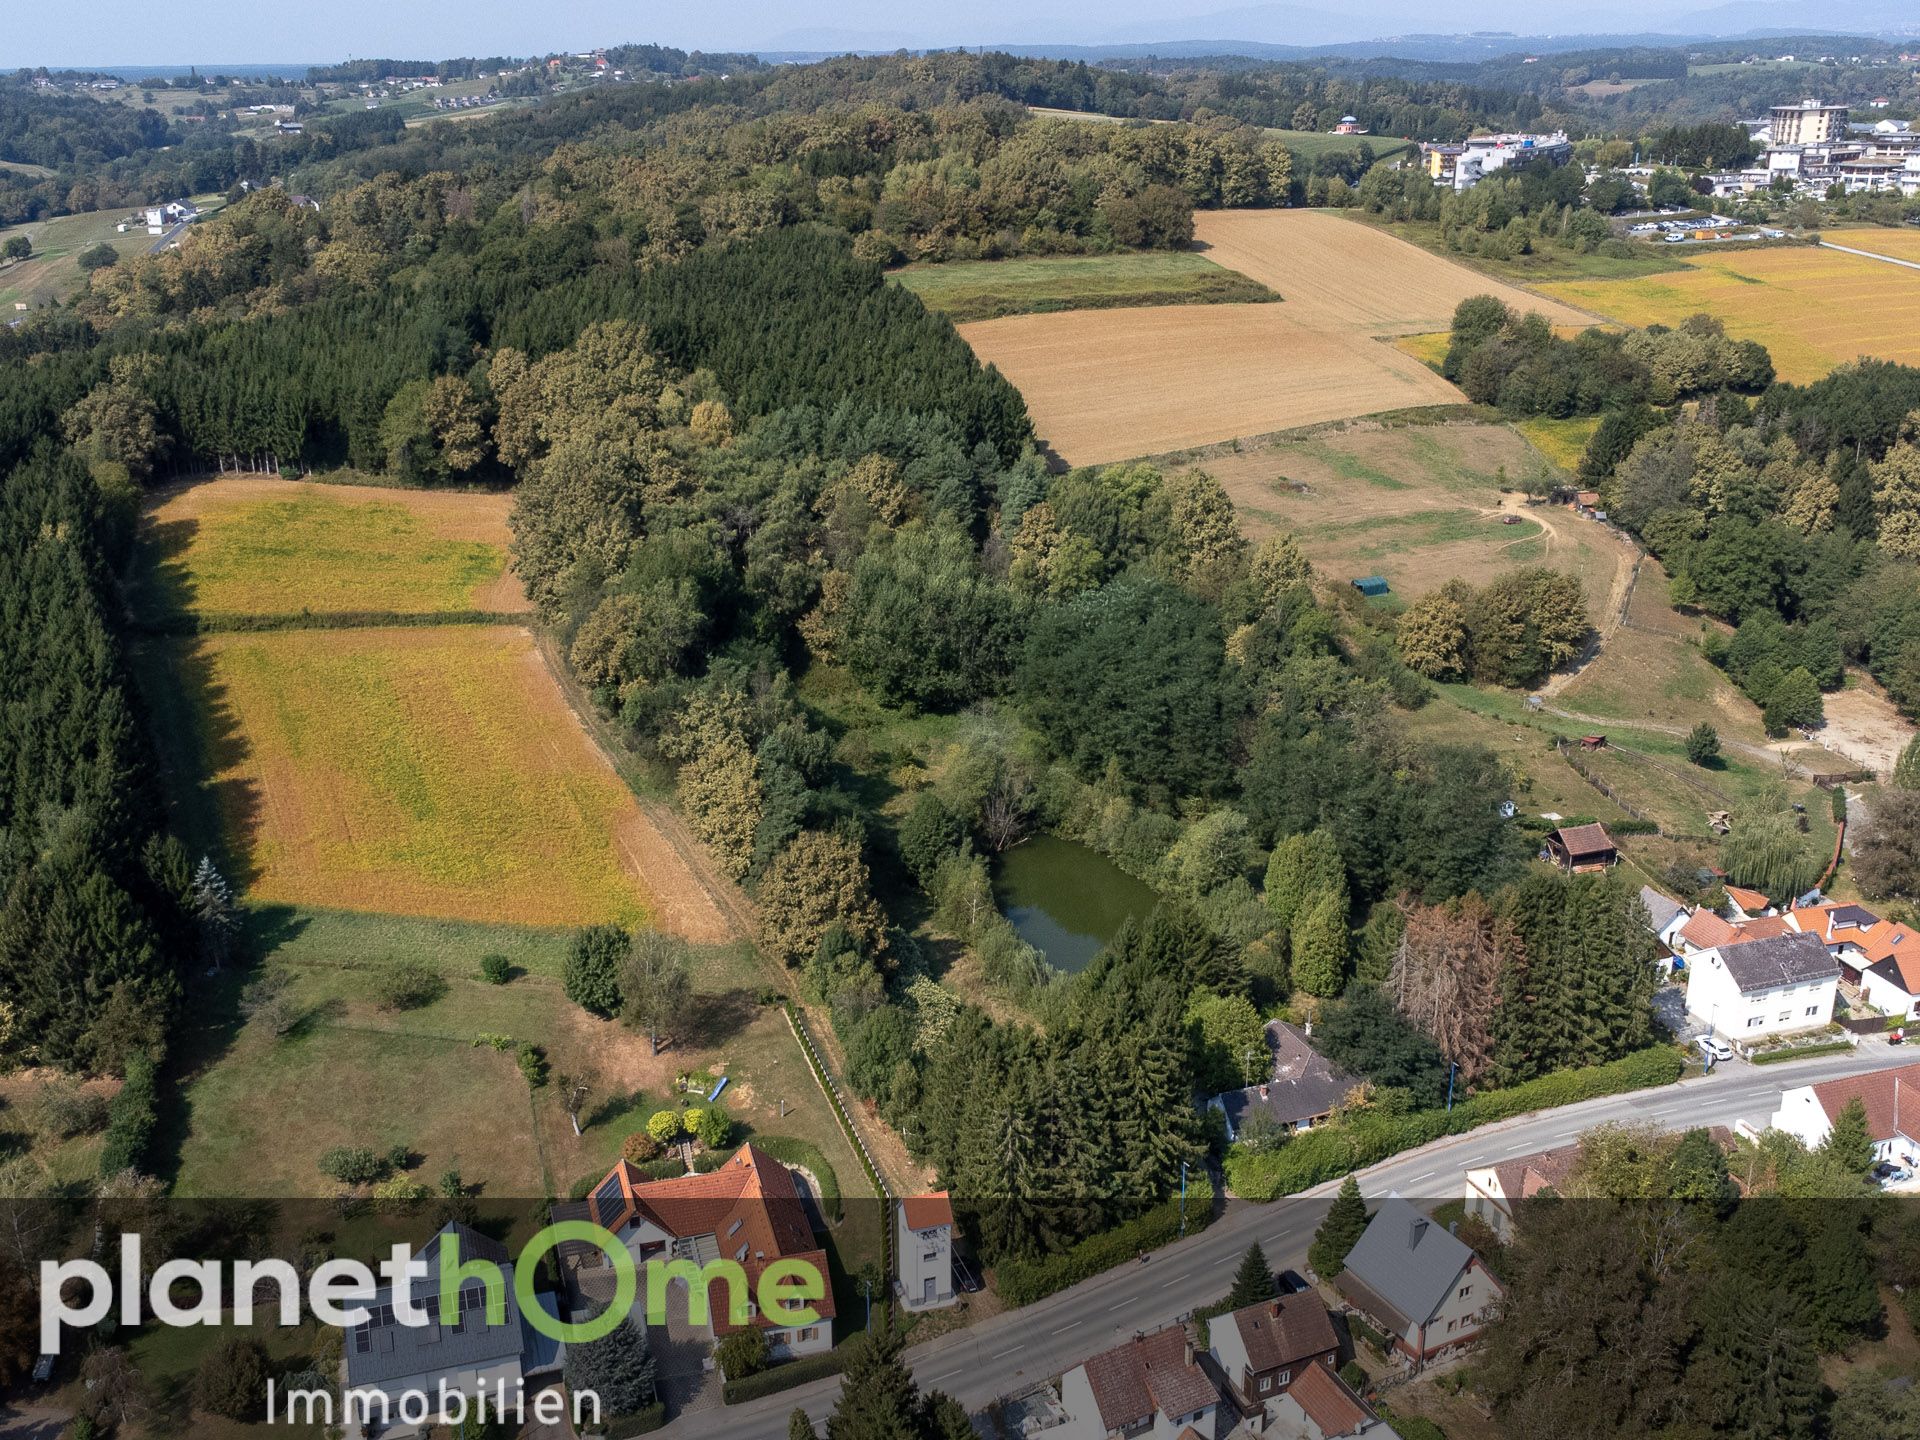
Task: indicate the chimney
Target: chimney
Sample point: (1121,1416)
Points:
(1416,1230)
(1186,1351)
(1263,1089)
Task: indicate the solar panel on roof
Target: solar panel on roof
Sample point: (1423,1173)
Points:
(608,1202)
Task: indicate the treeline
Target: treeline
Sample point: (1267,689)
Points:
(95,922)
(1795,517)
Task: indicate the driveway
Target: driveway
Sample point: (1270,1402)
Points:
(32,1420)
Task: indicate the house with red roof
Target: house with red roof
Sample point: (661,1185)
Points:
(749,1210)
(1149,1386)
(1892,1101)
(1321,1407)
(1493,1191)
(1879,958)
(923,1251)
(1263,1350)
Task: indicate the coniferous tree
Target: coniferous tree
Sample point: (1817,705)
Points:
(1253,1281)
(1345,1222)
(1848,1142)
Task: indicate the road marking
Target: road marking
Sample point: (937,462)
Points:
(1121,1306)
(1011,1349)
(948,1375)
(1064,1328)
(1175,1281)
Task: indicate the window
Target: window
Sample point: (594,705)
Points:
(1266,1383)
(1756,1020)
(1813,1009)
(1285,1377)
(1785,1015)
(741,1253)
(1465,1290)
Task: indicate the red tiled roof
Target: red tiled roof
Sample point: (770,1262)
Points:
(748,1203)
(1764,927)
(1892,1098)
(1328,1402)
(1707,931)
(924,1212)
(1527,1176)
(1285,1331)
(1153,1372)
(1890,940)
(1751,901)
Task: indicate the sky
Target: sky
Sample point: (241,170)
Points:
(141,32)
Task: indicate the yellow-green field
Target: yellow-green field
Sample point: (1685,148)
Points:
(433,771)
(257,545)
(1813,309)
(1561,441)
(1901,244)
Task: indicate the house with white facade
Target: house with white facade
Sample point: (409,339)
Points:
(1148,1388)
(1763,987)
(409,1364)
(1321,1407)
(1416,1281)
(749,1210)
(923,1251)
(1495,1191)
(1878,958)
(1892,1101)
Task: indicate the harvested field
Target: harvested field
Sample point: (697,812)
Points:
(987,289)
(1341,275)
(1106,386)
(1813,309)
(433,771)
(1419,504)
(258,545)
(1901,244)
(1864,725)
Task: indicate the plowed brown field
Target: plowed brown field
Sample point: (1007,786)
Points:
(1109,385)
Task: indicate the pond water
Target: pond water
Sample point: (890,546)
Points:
(1066,900)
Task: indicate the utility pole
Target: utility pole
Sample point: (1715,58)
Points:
(1453,1068)
(1183,1198)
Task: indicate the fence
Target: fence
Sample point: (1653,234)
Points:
(837,1103)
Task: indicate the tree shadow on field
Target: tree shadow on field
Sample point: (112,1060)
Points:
(718,1018)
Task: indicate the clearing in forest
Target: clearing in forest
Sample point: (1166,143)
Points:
(968,290)
(1110,385)
(1418,504)
(429,771)
(257,545)
(1813,309)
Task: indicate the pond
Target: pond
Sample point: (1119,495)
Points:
(1065,899)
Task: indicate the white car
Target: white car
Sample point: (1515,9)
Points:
(1716,1047)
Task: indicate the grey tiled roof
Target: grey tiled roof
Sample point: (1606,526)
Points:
(394,1351)
(1778,960)
(1407,1259)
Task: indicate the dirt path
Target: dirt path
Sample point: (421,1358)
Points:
(1626,570)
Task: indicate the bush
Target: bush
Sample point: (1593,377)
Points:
(1021,1282)
(594,962)
(782,1377)
(1331,1151)
(232,1378)
(409,987)
(712,1126)
(495,969)
(639,1147)
(63,1108)
(97,257)
(131,1117)
(353,1165)
(743,1353)
(1799,1052)
(639,1422)
(666,1126)
(532,1061)
(1356,1377)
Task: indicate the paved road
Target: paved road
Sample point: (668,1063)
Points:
(1870,255)
(1019,1349)
(167,239)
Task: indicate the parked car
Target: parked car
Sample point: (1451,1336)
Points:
(1888,1173)
(1293,1283)
(1716,1047)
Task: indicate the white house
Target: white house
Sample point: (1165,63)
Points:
(749,1210)
(1892,1100)
(923,1251)
(1148,1388)
(1665,915)
(1493,1191)
(1880,958)
(1319,1406)
(1415,1279)
(1763,987)
(469,1356)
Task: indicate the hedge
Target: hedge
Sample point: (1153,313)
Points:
(1021,1282)
(782,1377)
(789,1151)
(1798,1052)
(640,1422)
(132,1116)
(1336,1150)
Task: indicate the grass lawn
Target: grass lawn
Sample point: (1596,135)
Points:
(1312,144)
(1543,781)
(168,1356)
(53,274)
(72,1163)
(250,546)
(985,289)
